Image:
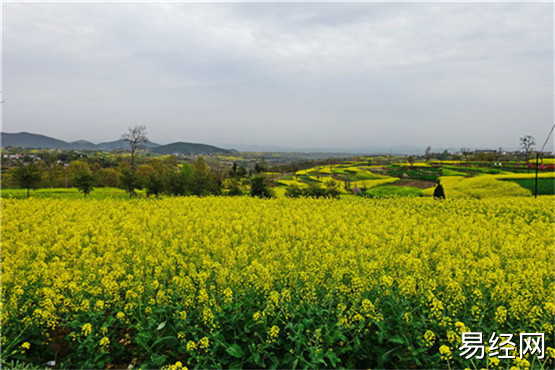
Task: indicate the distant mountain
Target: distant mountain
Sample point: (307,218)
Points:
(36,141)
(28,140)
(189,149)
(121,144)
(80,144)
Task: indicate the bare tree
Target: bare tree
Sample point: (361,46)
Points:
(428,153)
(466,153)
(136,138)
(527,143)
(410,159)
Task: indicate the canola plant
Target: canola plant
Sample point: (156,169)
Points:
(242,282)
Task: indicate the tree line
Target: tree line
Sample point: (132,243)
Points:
(157,177)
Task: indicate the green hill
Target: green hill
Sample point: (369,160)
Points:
(189,149)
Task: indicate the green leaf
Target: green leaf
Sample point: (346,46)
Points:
(161,326)
(165,339)
(235,351)
(157,359)
(235,365)
(333,358)
(256,356)
(397,339)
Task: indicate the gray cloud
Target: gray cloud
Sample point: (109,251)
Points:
(326,75)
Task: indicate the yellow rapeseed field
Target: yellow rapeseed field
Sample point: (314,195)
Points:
(221,282)
(485,186)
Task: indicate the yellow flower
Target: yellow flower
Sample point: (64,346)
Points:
(86,329)
(273,333)
(189,255)
(461,327)
(177,366)
(104,342)
(203,343)
(494,361)
(155,284)
(524,364)
(445,353)
(501,315)
(191,346)
(228,295)
(26,345)
(429,338)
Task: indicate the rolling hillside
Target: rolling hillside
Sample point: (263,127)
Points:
(28,140)
(189,149)
(37,141)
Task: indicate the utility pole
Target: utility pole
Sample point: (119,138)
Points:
(537,159)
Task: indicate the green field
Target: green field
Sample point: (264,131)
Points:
(545,186)
(67,193)
(393,191)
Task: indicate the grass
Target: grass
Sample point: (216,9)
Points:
(449,172)
(366,175)
(393,191)
(421,173)
(474,170)
(67,193)
(479,187)
(546,186)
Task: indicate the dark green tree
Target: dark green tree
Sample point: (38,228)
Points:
(154,185)
(332,189)
(81,176)
(28,176)
(84,181)
(259,167)
(180,182)
(234,188)
(187,174)
(294,191)
(107,177)
(241,171)
(234,169)
(174,184)
(128,181)
(204,182)
(315,190)
(260,187)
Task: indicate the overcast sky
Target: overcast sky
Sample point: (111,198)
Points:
(289,75)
